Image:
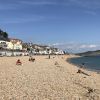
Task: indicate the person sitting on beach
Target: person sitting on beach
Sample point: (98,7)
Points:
(18,62)
(32,59)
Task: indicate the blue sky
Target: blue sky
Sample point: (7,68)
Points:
(51,21)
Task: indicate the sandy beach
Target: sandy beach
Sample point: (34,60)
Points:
(46,79)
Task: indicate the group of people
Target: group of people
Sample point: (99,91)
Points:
(18,62)
(31,59)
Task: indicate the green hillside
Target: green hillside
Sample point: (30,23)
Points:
(90,53)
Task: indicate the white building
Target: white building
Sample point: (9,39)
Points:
(60,52)
(15,44)
(3,44)
(43,52)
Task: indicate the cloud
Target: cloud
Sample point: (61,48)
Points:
(93,46)
(89,4)
(88,46)
(6,8)
(89,7)
(18,4)
(11,5)
(38,2)
(78,47)
(21,20)
(91,12)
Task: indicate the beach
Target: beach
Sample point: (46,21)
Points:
(46,79)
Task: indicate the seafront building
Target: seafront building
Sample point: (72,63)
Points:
(15,44)
(19,48)
(12,44)
(3,44)
(42,49)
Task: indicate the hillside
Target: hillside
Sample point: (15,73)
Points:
(90,53)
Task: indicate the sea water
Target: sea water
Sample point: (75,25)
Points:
(91,63)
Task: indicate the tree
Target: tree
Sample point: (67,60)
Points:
(1,31)
(3,35)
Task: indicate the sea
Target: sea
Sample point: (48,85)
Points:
(89,62)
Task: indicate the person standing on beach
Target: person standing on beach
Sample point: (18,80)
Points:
(49,56)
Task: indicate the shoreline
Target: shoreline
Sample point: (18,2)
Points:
(79,66)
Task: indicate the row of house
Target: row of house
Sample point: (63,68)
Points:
(17,44)
(42,49)
(11,44)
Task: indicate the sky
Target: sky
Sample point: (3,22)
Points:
(52,21)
